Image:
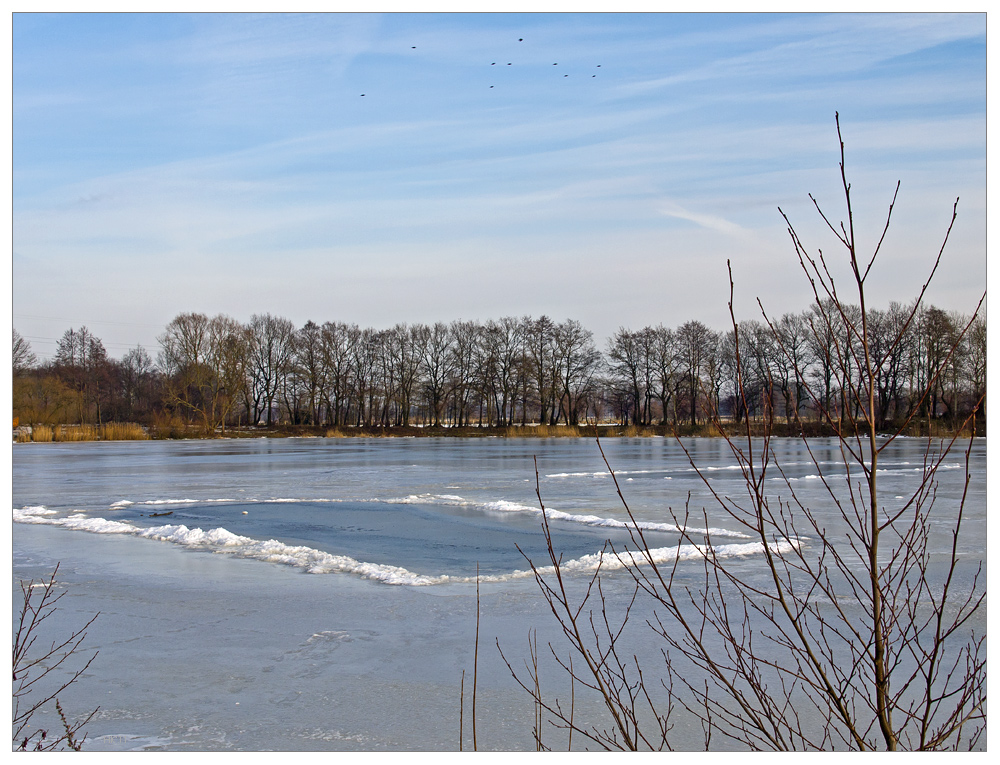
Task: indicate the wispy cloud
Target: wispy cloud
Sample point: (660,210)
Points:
(712,222)
(825,46)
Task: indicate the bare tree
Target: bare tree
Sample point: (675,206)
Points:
(411,343)
(630,364)
(936,331)
(790,362)
(976,363)
(696,344)
(204,362)
(338,370)
(228,344)
(394,349)
(136,372)
(308,368)
(821,344)
(577,363)
(22,356)
(82,362)
(501,370)
(365,363)
(541,359)
(466,339)
(270,351)
(891,345)
(438,363)
(856,635)
(743,359)
(183,359)
(666,364)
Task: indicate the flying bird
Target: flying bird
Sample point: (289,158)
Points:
(520,39)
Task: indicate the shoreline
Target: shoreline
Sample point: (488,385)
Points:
(921,429)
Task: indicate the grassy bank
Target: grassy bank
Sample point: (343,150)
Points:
(128,431)
(118,431)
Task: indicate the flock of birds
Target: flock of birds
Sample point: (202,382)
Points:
(509,63)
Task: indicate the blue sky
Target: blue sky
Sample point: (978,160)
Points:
(600,167)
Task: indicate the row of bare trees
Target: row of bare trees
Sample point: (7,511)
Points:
(688,373)
(462,373)
(218,371)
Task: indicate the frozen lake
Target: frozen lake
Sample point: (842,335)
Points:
(320,593)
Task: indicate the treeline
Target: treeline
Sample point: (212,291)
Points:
(216,373)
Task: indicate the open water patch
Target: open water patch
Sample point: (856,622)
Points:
(401,542)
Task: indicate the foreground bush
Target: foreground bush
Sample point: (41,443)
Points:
(853,637)
(42,670)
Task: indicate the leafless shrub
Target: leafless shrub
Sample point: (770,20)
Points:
(853,634)
(593,636)
(39,675)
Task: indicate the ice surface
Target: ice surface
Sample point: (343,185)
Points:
(213,635)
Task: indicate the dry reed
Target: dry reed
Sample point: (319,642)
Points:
(39,433)
(123,431)
(543,431)
(109,431)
